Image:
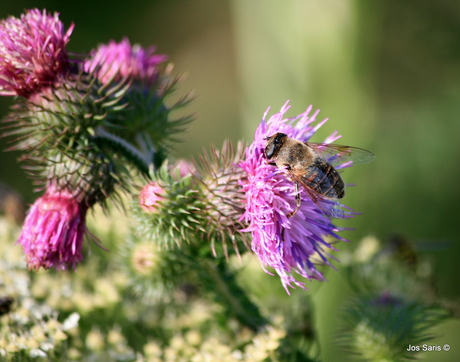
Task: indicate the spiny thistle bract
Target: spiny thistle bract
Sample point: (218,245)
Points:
(205,207)
(222,196)
(62,131)
(174,220)
(154,273)
(150,125)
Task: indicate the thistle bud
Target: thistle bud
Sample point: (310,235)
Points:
(150,125)
(383,327)
(150,196)
(53,232)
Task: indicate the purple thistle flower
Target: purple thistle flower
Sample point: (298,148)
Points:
(52,234)
(32,52)
(286,244)
(123,60)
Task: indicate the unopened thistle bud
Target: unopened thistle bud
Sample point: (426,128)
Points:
(382,328)
(63,132)
(168,212)
(150,196)
(152,271)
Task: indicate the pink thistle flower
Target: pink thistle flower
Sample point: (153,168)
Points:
(286,244)
(149,197)
(122,60)
(52,234)
(32,52)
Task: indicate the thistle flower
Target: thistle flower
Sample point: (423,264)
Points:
(150,126)
(33,52)
(123,60)
(286,244)
(52,235)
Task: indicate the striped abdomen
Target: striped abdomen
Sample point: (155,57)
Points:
(324,179)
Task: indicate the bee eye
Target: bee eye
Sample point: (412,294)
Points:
(278,138)
(270,150)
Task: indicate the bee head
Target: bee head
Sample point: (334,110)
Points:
(274,144)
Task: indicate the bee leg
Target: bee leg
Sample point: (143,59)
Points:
(298,200)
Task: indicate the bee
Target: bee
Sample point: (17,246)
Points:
(311,165)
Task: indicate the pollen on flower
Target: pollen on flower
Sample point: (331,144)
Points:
(33,52)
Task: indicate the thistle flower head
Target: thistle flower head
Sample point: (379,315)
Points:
(150,126)
(123,60)
(222,199)
(52,235)
(32,52)
(196,204)
(286,244)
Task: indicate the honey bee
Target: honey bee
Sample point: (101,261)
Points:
(312,166)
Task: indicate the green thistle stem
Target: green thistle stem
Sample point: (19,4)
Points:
(219,280)
(121,146)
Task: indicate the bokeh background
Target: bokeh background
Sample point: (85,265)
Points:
(386,74)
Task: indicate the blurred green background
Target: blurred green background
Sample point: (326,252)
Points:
(386,74)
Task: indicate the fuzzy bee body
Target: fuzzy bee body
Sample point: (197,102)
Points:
(308,165)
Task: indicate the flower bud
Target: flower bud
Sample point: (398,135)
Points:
(150,196)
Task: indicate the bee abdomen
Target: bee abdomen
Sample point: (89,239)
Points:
(324,179)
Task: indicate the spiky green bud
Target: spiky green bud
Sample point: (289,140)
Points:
(382,328)
(222,195)
(153,272)
(64,133)
(204,208)
(174,218)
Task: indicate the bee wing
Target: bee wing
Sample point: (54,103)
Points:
(327,206)
(338,155)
